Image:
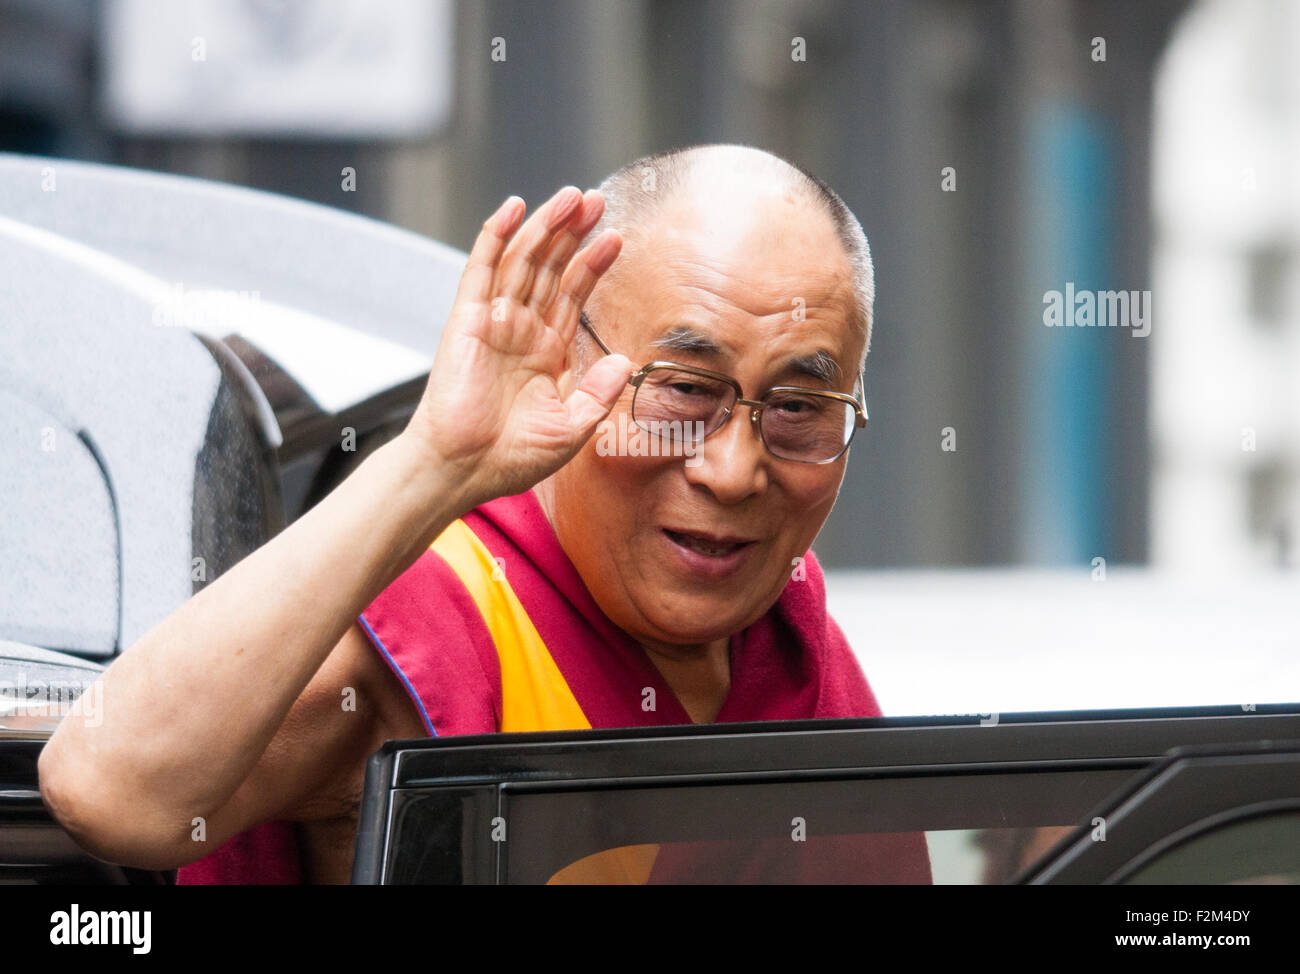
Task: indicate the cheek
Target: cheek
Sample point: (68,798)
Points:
(809,495)
(604,488)
(626,457)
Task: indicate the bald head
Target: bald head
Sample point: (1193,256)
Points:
(730,180)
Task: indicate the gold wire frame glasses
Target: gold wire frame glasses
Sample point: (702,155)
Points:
(686,404)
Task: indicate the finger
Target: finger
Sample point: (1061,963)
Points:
(591,402)
(519,266)
(579,280)
(562,249)
(480,270)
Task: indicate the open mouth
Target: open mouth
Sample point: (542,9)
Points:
(705,545)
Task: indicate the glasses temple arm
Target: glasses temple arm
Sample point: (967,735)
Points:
(582,319)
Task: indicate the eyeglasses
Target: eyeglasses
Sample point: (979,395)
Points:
(686,404)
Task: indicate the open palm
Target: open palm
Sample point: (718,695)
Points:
(493,407)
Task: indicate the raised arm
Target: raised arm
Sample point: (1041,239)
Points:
(197,707)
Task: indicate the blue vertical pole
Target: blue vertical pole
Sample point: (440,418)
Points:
(1067,452)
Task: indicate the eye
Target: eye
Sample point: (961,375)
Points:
(789,406)
(682,385)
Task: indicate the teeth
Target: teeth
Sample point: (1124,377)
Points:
(709,549)
(712,549)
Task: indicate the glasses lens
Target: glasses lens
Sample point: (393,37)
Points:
(681,406)
(805,426)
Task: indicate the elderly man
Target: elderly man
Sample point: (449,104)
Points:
(499,568)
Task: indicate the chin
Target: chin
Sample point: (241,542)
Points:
(679,635)
(700,621)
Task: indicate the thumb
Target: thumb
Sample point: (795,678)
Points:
(595,396)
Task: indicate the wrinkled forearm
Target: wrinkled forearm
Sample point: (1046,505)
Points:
(188,709)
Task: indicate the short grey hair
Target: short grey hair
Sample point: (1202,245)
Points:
(635,192)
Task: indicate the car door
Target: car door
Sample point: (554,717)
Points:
(784,801)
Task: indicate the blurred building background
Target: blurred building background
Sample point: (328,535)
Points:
(994,152)
(1225,404)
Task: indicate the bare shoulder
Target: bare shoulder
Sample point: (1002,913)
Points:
(314,767)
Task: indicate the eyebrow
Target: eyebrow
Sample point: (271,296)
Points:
(683,338)
(820,365)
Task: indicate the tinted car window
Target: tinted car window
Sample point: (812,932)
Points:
(1263,849)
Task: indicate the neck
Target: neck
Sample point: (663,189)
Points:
(684,655)
(699,676)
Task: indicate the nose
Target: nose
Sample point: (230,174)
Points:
(732,463)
